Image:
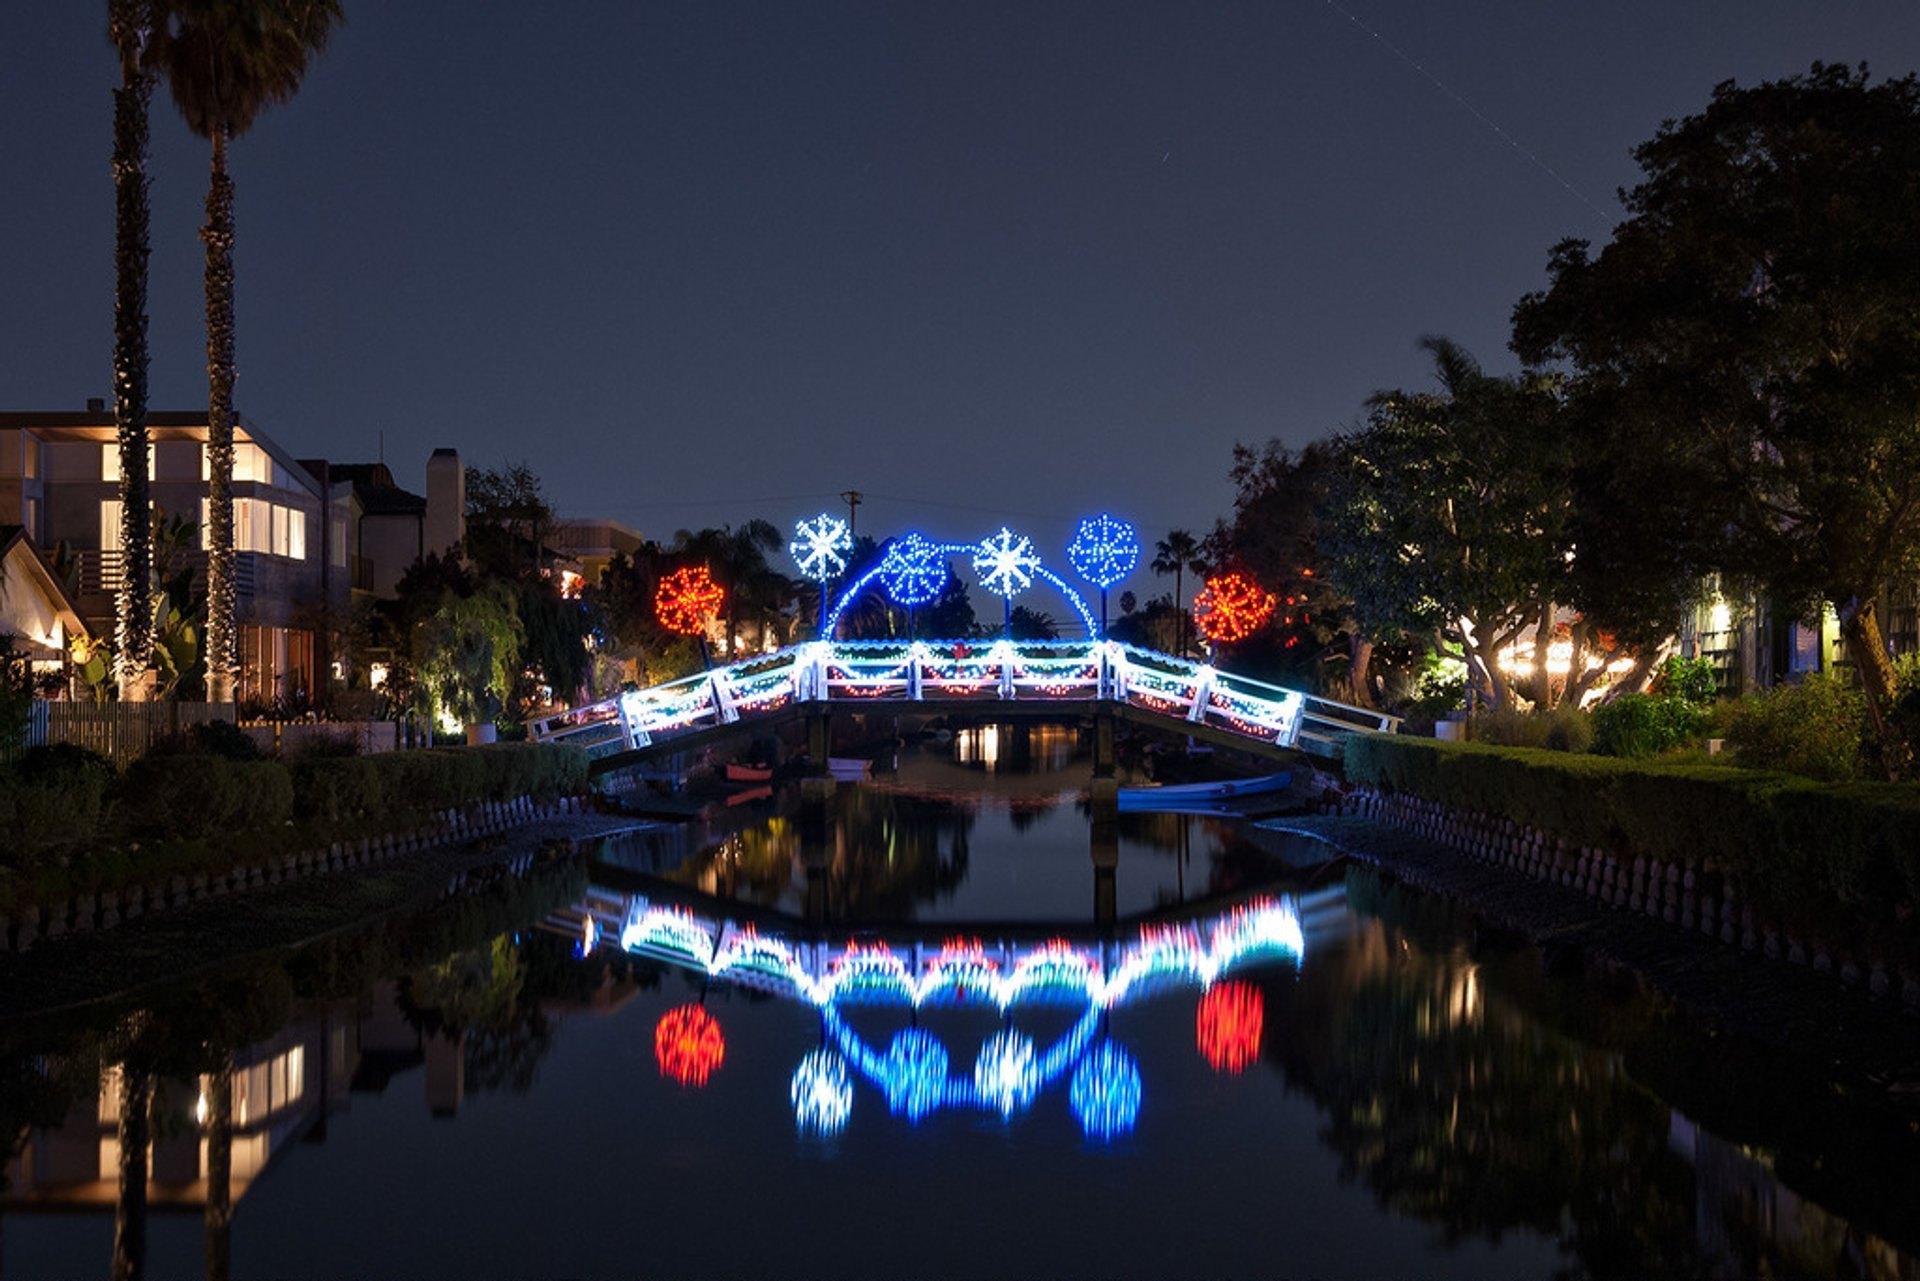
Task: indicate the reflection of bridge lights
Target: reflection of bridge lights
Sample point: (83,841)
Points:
(688,1044)
(822,1093)
(914,570)
(1105,1092)
(1104,550)
(1004,562)
(1230,1020)
(914,1073)
(1005,1074)
(820,546)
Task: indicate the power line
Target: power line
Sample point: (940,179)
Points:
(1531,157)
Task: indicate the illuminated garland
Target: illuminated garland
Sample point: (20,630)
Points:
(1004,563)
(687,600)
(1104,550)
(820,546)
(1231,608)
(914,571)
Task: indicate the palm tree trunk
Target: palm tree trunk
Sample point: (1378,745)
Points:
(218,238)
(1179,613)
(130,1209)
(132,21)
(220,1172)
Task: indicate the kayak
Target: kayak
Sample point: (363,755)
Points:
(1203,793)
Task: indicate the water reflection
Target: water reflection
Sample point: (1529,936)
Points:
(1502,1107)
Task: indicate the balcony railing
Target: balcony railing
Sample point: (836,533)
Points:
(100,571)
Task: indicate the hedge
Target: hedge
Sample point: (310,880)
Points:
(52,798)
(1836,859)
(340,788)
(202,796)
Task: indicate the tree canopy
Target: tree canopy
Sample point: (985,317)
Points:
(1751,338)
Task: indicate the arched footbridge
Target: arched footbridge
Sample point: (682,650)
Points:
(1001,678)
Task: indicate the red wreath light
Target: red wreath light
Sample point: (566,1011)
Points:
(1229,1024)
(1231,608)
(688,1045)
(687,599)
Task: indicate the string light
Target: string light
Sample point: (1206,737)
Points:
(1231,607)
(687,600)
(820,547)
(1104,550)
(914,1073)
(914,570)
(1005,562)
(1228,1026)
(688,1045)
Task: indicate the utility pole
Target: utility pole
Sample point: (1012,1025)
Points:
(852,498)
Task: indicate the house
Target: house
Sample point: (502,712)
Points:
(591,543)
(35,609)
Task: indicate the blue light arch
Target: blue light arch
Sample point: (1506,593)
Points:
(1041,573)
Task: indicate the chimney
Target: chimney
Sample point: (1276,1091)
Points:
(446,524)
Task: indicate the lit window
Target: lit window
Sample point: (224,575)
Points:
(278,515)
(110,462)
(110,525)
(296,533)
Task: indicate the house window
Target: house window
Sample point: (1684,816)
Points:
(340,542)
(296,533)
(110,462)
(110,525)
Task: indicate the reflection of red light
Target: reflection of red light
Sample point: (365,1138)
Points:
(688,1044)
(1231,1016)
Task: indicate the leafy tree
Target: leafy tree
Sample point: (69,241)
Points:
(1176,554)
(466,653)
(1445,515)
(1032,624)
(1273,536)
(1752,332)
(507,514)
(226,62)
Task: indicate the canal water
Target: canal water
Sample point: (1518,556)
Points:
(716,1053)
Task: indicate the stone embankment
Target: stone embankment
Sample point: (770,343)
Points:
(95,913)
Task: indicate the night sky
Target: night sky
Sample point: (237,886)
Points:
(986,262)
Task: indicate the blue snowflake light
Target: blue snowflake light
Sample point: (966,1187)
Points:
(822,1093)
(1006,1075)
(914,571)
(1104,550)
(1004,563)
(820,546)
(1105,1092)
(914,1073)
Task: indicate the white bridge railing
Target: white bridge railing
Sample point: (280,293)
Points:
(999,671)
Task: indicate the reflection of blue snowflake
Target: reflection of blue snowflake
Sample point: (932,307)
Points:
(914,571)
(1104,550)
(822,1093)
(1005,1074)
(1105,1092)
(1005,562)
(820,546)
(914,1074)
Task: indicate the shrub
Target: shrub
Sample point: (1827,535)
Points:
(54,796)
(1646,724)
(1815,729)
(215,738)
(1564,729)
(1692,679)
(203,796)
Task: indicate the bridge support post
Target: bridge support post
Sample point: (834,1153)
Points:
(817,785)
(1106,781)
(1104,845)
(816,853)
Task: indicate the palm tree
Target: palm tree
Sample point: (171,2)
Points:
(131,27)
(226,62)
(1175,554)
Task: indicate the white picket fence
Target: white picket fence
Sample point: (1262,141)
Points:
(123,732)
